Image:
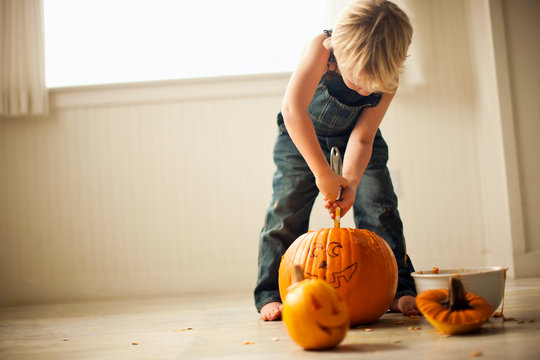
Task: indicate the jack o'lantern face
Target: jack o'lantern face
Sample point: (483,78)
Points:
(336,277)
(315,315)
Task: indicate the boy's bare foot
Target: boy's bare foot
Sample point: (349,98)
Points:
(405,305)
(271,311)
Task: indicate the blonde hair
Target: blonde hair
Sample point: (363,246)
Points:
(371,40)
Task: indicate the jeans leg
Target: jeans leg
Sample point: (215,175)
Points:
(287,217)
(376,209)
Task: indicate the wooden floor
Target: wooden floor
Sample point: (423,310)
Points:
(226,326)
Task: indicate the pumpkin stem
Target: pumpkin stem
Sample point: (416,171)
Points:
(457,298)
(298,274)
(337,218)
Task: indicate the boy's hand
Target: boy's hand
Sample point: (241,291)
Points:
(329,185)
(347,200)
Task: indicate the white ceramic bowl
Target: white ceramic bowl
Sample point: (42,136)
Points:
(487,282)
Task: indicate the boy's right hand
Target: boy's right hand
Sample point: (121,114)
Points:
(345,204)
(329,185)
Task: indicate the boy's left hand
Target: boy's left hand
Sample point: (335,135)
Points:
(347,200)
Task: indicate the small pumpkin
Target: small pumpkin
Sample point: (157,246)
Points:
(314,314)
(454,311)
(358,263)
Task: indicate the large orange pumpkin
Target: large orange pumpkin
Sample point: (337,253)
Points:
(358,263)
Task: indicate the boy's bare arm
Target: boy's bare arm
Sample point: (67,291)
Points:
(358,154)
(298,95)
(360,143)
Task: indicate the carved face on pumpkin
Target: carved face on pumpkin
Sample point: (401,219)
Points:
(337,277)
(315,315)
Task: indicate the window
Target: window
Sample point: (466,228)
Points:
(112,41)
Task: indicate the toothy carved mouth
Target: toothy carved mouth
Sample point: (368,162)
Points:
(337,278)
(330,329)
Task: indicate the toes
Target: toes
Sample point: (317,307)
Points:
(271,313)
(276,314)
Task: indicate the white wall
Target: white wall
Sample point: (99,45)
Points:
(523,56)
(161,188)
(137,189)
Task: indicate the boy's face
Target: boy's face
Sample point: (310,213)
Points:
(347,79)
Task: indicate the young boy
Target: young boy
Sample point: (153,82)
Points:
(338,96)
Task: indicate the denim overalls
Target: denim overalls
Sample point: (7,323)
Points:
(375,206)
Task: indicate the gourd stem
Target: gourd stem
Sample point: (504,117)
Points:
(298,274)
(457,297)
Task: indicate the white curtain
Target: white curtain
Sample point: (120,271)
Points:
(22,58)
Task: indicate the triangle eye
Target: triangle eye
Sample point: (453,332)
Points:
(315,303)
